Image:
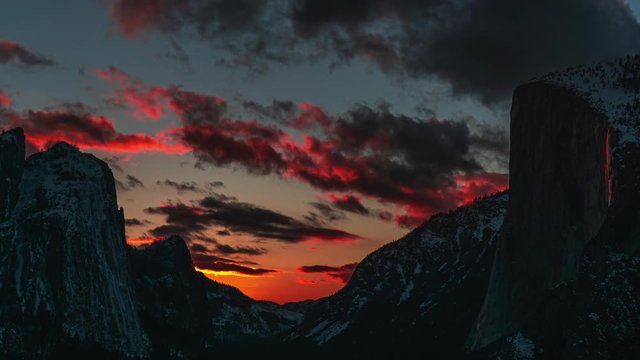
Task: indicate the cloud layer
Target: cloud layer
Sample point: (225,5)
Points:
(218,210)
(422,165)
(481,48)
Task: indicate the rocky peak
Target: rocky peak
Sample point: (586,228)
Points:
(64,275)
(166,257)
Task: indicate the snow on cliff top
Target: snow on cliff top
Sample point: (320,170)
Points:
(71,181)
(613,88)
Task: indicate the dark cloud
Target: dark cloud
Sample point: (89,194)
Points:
(250,144)
(135,222)
(14,53)
(214,184)
(181,187)
(114,163)
(340,273)
(206,261)
(421,165)
(135,16)
(324,212)
(383,215)
(226,249)
(223,232)
(214,137)
(349,203)
(482,48)
(133,182)
(130,183)
(417,164)
(203,257)
(334,209)
(177,53)
(210,17)
(214,246)
(165,231)
(278,110)
(243,218)
(224,266)
(74,107)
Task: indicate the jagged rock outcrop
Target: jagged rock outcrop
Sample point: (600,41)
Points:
(188,314)
(413,298)
(565,282)
(64,281)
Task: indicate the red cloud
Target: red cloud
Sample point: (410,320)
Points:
(152,102)
(419,165)
(87,131)
(4,99)
(224,145)
(135,16)
(145,102)
(311,116)
(367,167)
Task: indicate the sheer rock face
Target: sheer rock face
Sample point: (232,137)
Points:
(416,297)
(569,247)
(11,166)
(63,274)
(559,199)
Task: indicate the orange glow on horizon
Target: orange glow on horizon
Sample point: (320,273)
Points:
(281,287)
(210,273)
(142,241)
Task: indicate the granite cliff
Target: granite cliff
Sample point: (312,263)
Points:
(565,274)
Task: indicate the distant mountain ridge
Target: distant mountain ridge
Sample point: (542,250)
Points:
(425,289)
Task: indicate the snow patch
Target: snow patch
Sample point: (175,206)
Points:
(325,331)
(406,293)
(606,86)
(523,348)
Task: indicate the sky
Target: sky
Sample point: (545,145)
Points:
(285,140)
